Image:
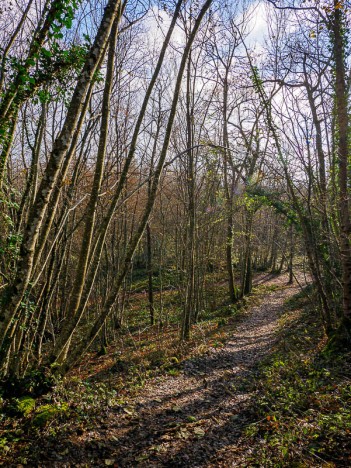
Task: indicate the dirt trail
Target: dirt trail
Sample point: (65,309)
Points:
(195,419)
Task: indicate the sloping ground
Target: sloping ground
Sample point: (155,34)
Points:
(195,419)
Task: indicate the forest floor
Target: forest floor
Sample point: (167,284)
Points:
(263,396)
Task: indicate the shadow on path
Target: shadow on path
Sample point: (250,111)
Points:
(196,419)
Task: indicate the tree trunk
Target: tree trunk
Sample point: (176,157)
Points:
(343,129)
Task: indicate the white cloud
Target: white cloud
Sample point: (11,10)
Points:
(257,27)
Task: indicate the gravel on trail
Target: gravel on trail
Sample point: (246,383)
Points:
(194,419)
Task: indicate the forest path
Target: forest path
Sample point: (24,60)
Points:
(195,419)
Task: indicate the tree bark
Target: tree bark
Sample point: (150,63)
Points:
(343,142)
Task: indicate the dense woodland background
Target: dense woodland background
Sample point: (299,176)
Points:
(163,149)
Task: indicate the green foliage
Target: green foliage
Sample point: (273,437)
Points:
(4,448)
(10,239)
(173,372)
(191,419)
(31,76)
(9,246)
(252,203)
(56,67)
(48,413)
(25,405)
(256,79)
(272,199)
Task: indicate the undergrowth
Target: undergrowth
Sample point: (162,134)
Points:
(303,397)
(101,383)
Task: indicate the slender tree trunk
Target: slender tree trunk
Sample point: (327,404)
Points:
(150,274)
(291,256)
(229,195)
(189,303)
(343,142)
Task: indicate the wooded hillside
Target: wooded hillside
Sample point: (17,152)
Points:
(156,159)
